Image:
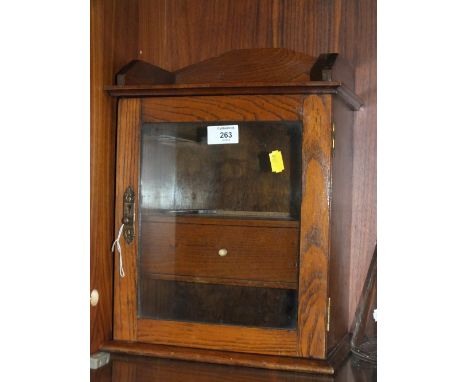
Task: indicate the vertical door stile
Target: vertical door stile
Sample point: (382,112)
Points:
(127,174)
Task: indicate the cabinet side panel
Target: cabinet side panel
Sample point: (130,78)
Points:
(341,206)
(313,274)
(128,168)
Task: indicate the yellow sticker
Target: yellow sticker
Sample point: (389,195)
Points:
(276,160)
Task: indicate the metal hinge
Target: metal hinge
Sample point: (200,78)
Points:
(328,313)
(333,139)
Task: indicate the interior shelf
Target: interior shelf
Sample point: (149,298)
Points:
(234,219)
(221,281)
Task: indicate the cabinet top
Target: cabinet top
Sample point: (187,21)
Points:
(243,71)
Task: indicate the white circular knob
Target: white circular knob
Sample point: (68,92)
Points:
(94,297)
(222,252)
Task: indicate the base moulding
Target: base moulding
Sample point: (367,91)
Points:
(303,365)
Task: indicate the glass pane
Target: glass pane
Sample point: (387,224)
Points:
(181,173)
(219,230)
(220,304)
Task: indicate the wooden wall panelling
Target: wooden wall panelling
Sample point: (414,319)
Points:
(101,172)
(113,44)
(175,34)
(125,19)
(305,26)
(364,221)
(347,27)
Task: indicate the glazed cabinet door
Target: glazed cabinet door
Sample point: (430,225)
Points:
(210,189)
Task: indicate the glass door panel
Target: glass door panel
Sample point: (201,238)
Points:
(219,230)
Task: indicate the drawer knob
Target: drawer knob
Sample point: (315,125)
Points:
(222,252)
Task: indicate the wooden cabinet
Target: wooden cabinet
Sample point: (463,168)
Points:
(233,196)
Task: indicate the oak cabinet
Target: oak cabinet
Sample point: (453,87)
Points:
(233,203)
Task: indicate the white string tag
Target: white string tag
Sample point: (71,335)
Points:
(119,250)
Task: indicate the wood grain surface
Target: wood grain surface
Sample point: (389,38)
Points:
(235,108)
(201,29)
(167,370)
(220,337)
(154,369)
(124,18)
(225,357)
(236,220)
(245,88)
(340,220)
(221,281)
(114,27)
(315,219)
(253,253)
(126,325)
(140,72)
(102,168)
(182,32)
(245,65)
(127,174)
(364,218)
(124,372)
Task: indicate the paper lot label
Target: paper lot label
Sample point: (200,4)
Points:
(222,135)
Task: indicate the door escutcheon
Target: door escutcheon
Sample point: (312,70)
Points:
(128,214)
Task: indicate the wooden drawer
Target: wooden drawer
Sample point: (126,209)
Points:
(256,255)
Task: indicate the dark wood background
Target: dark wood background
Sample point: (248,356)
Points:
(175,33)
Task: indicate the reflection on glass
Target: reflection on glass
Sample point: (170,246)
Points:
(198,200)
(219,304)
